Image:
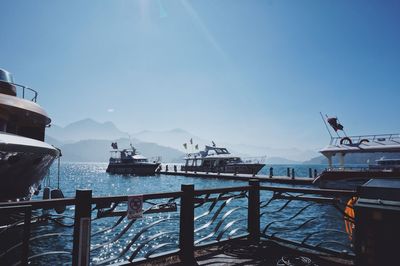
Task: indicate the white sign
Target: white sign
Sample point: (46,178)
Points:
(135,207)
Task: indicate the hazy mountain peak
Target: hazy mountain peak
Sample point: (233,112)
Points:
(86,129)
(179,130)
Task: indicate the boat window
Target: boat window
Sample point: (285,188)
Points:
(212,152)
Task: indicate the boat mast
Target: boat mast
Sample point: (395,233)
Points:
(326,125)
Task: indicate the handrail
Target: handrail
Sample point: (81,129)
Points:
(375,137)
(220,221)
(35,93)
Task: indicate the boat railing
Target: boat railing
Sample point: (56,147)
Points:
(155,159)
(254,159)
(379,139)
(26,92)
(349,168)
(97,229)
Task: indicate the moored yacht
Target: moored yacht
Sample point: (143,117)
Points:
(24,156)
(128,161)
(342,177)
(220,160)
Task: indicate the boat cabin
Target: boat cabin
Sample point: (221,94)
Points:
(20,116)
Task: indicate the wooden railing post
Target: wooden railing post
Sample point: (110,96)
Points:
(253,216)
(186,224)
(81,242)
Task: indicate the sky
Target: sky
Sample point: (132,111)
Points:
(245,71)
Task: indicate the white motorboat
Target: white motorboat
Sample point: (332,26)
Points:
(342,177)
(220,160)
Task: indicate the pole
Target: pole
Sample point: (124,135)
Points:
(81,241)
(327,128)
(186,225)
(253,215)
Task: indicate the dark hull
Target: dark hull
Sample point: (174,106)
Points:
(21,175)
(243,168)
(350,180)
(132,168)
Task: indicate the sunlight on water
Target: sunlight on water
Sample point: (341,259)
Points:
(106,246)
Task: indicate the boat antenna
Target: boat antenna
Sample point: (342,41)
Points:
(326,125)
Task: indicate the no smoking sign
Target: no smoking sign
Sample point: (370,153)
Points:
(135,207)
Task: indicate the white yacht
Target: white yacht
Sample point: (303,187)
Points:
(220,160)
(343,177)
(24,156)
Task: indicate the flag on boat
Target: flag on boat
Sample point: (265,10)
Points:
(114,145)
(185,145)
(191,141)
(213,143)
(333,121)
(196,147)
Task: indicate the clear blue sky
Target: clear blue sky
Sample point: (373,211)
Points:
(255,72)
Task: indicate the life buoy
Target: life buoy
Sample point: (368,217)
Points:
(363,140)
(343,140)
(349,217)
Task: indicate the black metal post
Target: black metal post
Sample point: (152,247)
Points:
(288,172)
(186,224)
(292,173)
(271,172)
(309,172)
(27,235)
(81,242)
(253,215)
(315,173)
(166,168)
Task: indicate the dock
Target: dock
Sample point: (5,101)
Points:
(243,177)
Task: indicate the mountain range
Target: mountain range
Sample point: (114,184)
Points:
(89,141)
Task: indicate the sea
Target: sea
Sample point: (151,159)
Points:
(93,176)
(112,240)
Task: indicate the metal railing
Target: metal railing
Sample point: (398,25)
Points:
(26,92)
(381,138)
(95,230)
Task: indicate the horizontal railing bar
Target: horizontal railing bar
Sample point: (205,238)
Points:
(313,199)
(330,192)
(220,190)
(369,136)
(38,204)
(200,200)
(51,203)
(109,199)
(12,209)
